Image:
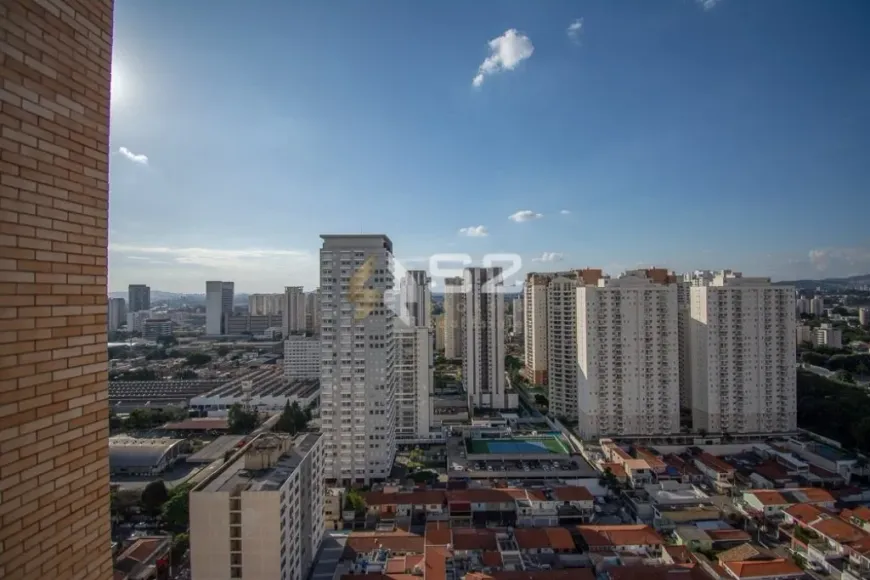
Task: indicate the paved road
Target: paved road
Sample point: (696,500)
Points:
(330,553)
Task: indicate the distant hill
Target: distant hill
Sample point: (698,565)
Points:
(829,283)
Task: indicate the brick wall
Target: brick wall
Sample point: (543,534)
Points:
(55,60)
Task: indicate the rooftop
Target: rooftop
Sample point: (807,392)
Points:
(265,382)
(235,475)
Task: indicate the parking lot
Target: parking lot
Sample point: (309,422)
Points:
(529,466)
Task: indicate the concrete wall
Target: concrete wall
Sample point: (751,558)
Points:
(55,67)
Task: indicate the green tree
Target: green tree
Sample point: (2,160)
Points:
(814,358)
(293,419)
(354,501)
(180,545)
(844,376)
(175,513)
(167,341)
(154,496)
(157,354)
(223,350)
(240,421)
(197,359)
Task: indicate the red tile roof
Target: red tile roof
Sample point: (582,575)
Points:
(430,497)
(474,539)
(716,464)
(438,534)
(572,493)
(764,568)
(728,535)
(657,573)
(400,542)
(619,535)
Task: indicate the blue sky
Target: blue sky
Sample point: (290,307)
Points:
(679,133)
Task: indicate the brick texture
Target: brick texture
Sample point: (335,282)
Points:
(55,61)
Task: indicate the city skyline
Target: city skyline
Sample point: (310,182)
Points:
(604,135)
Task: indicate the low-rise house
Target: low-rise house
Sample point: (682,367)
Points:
(750,563)
(829,540)
(416,506)
(771,502)
(640,540)
(638,471)
(574,504)
(719,472)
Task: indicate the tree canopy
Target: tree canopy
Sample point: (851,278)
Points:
(240,421)
(293,419)
(154,496)
(834,409)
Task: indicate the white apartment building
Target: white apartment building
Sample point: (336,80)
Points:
(438,329)
(803,306)
(259,516)
(628,355)
(805,333)
(535,326)
(117,315)
(154,328)
(817,306)
(293,310)
(136,320)
(264,304)
(312,312)
(562,339)
(827,335)
(302,357)
(357,372)
(684,284)
(483,363)
(218,305)
(864,316)
(414,358)
(742,339)
(518,313)
(454,321)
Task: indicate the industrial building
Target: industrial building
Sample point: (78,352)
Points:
(265,389)
(129,456)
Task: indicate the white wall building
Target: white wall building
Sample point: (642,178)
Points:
(117,315)
(218,305)
(153,328)
(138,297)
(358,357)
(312,312)
(742,339)
(684,284)
(136,320)
(265,304)
(483,364)
(293,309)
(628,355)
(817,306)
(414,358)
(260,515)
(864,316)
(827,335)
(302,357)
(454,321)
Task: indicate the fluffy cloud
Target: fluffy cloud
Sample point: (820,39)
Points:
(550,257)
(575,29)
(565,212)
(250,259)
(506,53)
(139,158)
(841,261)
(525,215)
(708,4)
(474,231)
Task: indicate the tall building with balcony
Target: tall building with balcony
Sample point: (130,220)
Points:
(302,357)
(117,313)
(139,297)
(357,371)
(265,304)
(259,516)
(218,306)
(483,363)
(817,306)
(743,340)
(414,358)
(54,504)
(535,326)
(454,320)
(293,310)
(562,339)
(312,312)
(518,313)
(627,355)
(684,285)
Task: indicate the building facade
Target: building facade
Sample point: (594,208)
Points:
(260,515)
(265,304)
(139,297)
(454,318)
(293,310)
(414,366)
(54,413)
(357,371)
(483,363)
(535,327)
(117,314)
(302,357)
(218,305)
(312,312)
(627,355)
(519,316)
(153,328)
(743,340)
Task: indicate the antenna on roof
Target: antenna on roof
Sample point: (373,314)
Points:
(247,387)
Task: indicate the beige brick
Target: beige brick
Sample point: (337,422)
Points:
(54,89)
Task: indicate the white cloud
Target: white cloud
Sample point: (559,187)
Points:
(841,261)
(550,257)
(565,212)
(506,53)
(139,158)
(525,215)
(248,259)
(575,29)
(708,4)
(474,231)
